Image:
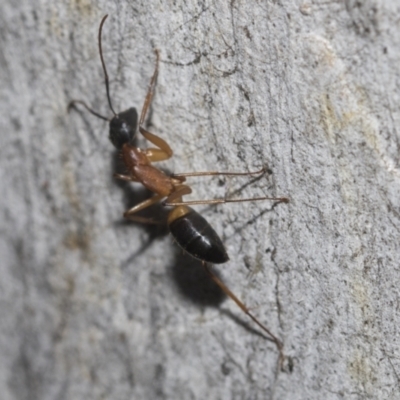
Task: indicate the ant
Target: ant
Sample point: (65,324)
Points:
(190,230)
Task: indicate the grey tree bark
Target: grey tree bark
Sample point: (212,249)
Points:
(93,307)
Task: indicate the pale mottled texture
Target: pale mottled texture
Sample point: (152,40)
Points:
(95,308)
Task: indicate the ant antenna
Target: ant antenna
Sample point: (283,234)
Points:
(72,105)
(104,65)
(73,102)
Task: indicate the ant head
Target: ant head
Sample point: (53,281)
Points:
(123,127)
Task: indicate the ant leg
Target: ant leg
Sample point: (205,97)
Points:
(141,206)
(212,173)
(150,92)
(180,190)
(127,178)
(241,305)
(164,152)
(169,202)
(144,220)
(223,201)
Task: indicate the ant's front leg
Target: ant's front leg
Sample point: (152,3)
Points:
(150,92)
(164,152)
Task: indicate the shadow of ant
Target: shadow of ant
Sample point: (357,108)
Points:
(194,284)
(192,281)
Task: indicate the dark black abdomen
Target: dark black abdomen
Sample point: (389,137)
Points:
(195,235)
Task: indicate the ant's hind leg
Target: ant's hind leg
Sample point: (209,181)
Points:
(242,306)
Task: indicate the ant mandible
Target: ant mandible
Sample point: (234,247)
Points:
(191,231)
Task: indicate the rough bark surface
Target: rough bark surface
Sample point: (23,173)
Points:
(93,307)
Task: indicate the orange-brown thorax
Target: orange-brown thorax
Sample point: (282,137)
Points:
(140,168)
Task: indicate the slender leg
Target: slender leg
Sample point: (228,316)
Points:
(223,201)
(127,178)
(180,190)
(141,206)
(164,152)
(144,220)
(150,92)
(211,173)
(241,305)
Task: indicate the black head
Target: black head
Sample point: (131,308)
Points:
(123,127)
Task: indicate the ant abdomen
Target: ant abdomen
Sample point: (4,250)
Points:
(123,127)
(196,236)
